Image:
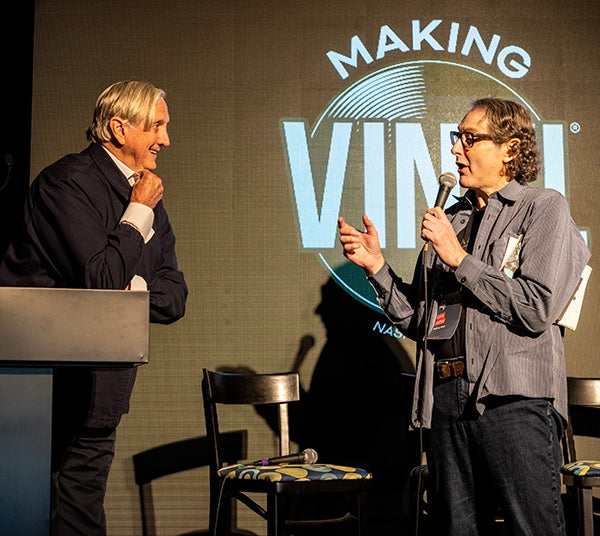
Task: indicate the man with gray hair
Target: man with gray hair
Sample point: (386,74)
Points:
(96,220)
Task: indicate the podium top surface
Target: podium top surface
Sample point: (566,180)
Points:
(54,326)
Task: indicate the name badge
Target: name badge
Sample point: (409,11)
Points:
(446,322)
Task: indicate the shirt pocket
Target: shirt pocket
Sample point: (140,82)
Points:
(496,251)
(505,253)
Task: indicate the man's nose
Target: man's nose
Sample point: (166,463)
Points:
(164,139)
(457,148)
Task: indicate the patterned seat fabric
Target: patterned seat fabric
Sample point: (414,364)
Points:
(294,472)
(581,468)
(423,468)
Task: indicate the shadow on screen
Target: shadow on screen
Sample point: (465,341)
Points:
(356,410)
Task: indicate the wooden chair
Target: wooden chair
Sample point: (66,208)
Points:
(280,483)
(173,458)
(581,476)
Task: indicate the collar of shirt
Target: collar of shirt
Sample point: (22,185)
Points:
(129,174)
(510,192)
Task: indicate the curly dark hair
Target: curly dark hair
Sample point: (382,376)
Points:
(507,120)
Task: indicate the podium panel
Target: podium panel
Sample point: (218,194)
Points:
(82,326)
(25,429)
(42,329)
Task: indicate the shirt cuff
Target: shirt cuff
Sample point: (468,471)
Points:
(141,217)
(469,271)
(138,283)
(382,280)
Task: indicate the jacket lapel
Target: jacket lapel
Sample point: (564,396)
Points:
(108,168)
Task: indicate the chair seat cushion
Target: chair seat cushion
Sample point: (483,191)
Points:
(294,473)
(414,472)
(581,468)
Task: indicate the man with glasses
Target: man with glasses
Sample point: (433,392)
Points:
(491,382)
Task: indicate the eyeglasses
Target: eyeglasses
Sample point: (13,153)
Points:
(468,138)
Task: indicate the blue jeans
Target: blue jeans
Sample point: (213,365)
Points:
(506,460)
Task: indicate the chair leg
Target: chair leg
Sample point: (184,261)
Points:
(361,513)
(147,510)
(276,508)
(586,512)
(222,516)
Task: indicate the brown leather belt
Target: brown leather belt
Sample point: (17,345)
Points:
(450,368)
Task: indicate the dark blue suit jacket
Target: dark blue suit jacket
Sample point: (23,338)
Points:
(71,238)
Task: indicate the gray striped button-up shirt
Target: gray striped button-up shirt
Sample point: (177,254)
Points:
(513,345)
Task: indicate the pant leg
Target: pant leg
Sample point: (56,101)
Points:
(519,442)
(506,460)
(79,483)
(452,493)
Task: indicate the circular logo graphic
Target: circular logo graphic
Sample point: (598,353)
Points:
(397,122)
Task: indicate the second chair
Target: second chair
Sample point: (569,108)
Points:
(582,477)
(278,482)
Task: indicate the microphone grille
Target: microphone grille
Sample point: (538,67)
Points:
(310,456)
(448,179)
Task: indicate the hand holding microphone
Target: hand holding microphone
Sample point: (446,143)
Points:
(447,181)
(437,230)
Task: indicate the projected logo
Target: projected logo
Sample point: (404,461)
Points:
(378,149)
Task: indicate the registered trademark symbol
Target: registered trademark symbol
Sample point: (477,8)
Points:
(575,127)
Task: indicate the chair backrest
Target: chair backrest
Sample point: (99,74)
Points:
(583,391)
(175,457)
(254,389)
(584,412)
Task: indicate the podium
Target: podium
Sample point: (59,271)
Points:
(42,329)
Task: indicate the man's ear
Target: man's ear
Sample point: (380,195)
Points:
(117,128)
(512,149)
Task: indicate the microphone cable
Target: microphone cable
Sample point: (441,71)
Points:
(447,181)
(8,163)
(218,507)
(420,387)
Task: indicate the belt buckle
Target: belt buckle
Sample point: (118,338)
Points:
(450,369)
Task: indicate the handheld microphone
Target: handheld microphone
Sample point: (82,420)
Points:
(307,456)
(447,182)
